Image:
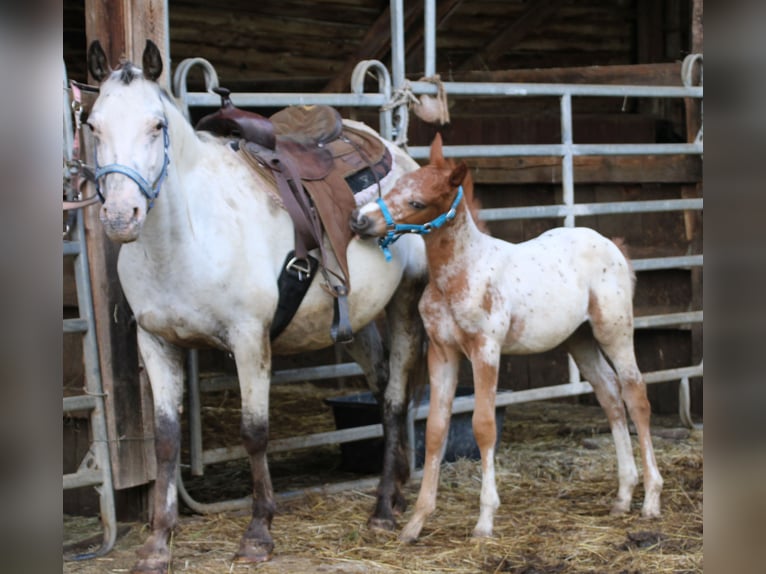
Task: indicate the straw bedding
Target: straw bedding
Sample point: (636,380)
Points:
(556,475)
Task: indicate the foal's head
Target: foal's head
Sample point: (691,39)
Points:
(418,197)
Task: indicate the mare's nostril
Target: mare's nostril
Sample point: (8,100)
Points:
(135,213)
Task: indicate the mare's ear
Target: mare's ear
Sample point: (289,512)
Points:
(98,66)
(458,174)
(436,156)
(151,62)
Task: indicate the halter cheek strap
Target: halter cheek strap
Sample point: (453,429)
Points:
(396,230)
(150,191)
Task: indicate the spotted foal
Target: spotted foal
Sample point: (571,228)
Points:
(487,297)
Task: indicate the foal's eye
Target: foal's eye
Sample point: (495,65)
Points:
(159,126)
(417,205)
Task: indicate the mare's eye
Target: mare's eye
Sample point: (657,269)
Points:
(417,205)
(160,125)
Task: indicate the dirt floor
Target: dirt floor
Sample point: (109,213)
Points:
(556,479)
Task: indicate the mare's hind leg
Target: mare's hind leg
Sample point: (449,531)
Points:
(165,369)
(594,369)
(368,351)
(405,331)
(252,352)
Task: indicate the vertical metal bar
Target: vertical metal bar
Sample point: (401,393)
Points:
(429,37)
(195,414)
(567,163)
(397,69)
(397,43)
(567,186)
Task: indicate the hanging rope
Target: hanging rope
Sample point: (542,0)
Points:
(432,109)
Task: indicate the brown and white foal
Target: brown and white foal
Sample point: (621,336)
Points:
(487,297)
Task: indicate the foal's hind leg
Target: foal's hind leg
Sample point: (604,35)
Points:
(633,391)
(594,368)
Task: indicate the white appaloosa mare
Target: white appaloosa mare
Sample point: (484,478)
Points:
(204,241)
(487,297)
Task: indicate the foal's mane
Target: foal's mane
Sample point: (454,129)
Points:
(470,200)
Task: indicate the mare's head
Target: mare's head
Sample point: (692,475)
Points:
(130,128)
(419,198)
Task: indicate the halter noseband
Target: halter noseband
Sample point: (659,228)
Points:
(396,230)
(150,191)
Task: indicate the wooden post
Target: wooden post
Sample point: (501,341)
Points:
(122,27)
(693,219)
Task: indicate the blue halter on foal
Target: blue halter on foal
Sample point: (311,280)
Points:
(150,191)
(396,230)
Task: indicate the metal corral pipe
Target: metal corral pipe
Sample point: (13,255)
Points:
(582,209)
(567,161)
(526,150)
(557,90)
(275,99)
(429,37)
(505,398)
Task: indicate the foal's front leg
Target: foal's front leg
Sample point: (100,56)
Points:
(164,365)
(443,369)
(253,357)
(485,359)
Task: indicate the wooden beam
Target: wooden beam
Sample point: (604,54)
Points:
(375,45)
(122,28)
(588,169)
(534,15)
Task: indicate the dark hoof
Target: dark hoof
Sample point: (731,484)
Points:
(387,524)
(254,552)
(400,504)
(150,566)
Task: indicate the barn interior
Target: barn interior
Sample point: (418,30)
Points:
(295,46)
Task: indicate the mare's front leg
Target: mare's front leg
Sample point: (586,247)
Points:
(443,362)
(252,352)
(164,365)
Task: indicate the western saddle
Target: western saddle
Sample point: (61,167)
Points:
(317,164)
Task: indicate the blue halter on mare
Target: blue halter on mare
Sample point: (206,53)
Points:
(396,230)
(150,191)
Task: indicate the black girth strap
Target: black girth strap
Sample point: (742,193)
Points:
(294,281)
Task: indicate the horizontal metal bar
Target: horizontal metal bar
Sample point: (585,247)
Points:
(83,478)
(653,263)
(667,319)
(80,403)
(556,90)
(77,325)
(585,209)
(316,373)
(266,99)
(505,398)
(71,248)
(559,150)
(224,454)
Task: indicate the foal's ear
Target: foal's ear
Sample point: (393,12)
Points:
(436,156)
(98,66)
(458,174)
(151,61)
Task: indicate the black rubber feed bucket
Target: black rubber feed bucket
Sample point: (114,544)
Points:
(366,456)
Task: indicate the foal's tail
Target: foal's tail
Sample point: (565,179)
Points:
(623,247)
